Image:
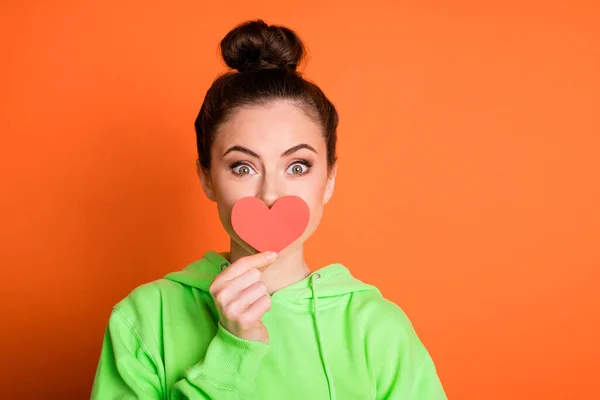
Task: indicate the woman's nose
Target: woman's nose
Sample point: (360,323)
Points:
(269,190)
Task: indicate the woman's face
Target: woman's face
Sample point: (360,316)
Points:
(269,151)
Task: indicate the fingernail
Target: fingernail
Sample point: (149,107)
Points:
(271,255)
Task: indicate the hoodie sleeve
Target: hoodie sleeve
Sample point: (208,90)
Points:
(228,370)
(402,367)
(127,370)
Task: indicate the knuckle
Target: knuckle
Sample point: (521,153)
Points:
(245,321)
(231,313)
(220,297)
(242,262)
(261,286)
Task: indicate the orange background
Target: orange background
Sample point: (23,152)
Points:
(468,188)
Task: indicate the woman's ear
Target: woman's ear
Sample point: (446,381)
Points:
(206,181)
(330,184)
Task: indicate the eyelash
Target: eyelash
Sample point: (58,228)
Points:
(306,163)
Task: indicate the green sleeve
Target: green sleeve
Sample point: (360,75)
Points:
(228,370)
(426,384)
(400,363)
(127,370)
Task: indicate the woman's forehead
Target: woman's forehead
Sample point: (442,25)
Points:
(277,125)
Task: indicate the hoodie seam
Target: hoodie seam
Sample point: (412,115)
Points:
(136,335)
(220,385)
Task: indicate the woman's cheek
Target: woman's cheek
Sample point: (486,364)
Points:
(231,192)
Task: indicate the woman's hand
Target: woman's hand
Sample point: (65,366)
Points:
(241,297)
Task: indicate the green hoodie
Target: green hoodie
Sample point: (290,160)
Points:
(330,337)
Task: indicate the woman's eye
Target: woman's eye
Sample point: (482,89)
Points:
(298,168)
(242,169)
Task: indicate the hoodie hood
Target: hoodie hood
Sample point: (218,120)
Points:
(316,292)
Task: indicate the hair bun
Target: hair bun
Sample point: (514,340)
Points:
(255,45)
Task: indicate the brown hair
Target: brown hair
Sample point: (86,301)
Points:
(265,59)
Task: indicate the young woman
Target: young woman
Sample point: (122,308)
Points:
(248,325)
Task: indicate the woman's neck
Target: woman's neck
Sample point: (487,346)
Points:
(288,268)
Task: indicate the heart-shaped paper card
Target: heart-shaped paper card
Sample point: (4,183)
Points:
(270,229)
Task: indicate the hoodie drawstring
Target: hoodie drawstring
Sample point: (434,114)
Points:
(315,277)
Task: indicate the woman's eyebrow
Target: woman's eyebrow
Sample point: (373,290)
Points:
(288,152)
(294,149)
(241,149)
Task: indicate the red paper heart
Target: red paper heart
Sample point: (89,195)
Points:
(270,229)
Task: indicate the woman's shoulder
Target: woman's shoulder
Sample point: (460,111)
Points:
(148,294)
(147,303)
(388,329)
(188,284)
(379,312)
